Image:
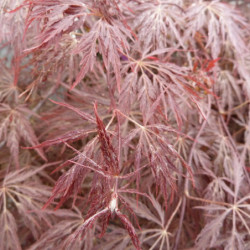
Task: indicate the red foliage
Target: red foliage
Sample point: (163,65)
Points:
(140,110)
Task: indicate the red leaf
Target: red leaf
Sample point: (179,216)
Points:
(109,154)
(211,64)
(130,228)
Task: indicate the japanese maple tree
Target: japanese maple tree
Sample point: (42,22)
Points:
(124,124)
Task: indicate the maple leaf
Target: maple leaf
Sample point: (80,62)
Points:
(235,213)
(59,235)
(18,194)
(164,20)
(159,236)
(111,39)
(224,26)
(13,24)
(108,35)
(104,193)
(158,83)
(15,126)
(153,143)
